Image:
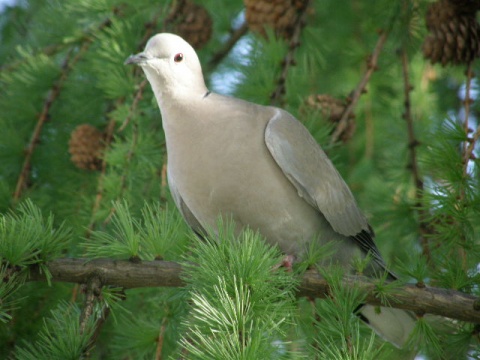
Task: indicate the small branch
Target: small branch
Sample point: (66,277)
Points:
(34,140)
(468,146)
(361,87)
(133,107)
(53,49)
(53,94)
(100,185)
(443,302)
(123,179)
(289,60)
(425,228)
(467,153)
(235,35)
(98,327)
(161,336)
(150,26)
(93,289)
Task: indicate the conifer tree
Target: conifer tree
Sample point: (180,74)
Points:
(97,263)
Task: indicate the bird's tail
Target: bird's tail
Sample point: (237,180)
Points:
(393,325)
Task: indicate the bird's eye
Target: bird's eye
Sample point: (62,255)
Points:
(178,57)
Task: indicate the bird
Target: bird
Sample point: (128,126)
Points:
(259,166)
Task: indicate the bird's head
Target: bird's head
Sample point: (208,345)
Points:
(171,65)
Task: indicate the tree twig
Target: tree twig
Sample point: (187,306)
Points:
(467,153)
(161,336)
(289,60)
(52,96)
(424,226)
(150,26)
(361,87)
(133,107)
(93,289)
(100,184)
(437,301)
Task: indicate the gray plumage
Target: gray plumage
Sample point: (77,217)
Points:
(258,165)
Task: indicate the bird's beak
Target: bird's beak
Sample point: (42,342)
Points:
(138,59)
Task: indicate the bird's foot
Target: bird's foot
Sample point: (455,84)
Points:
(287,263)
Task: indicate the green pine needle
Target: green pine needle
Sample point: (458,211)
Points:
(242,303)
(122,242)
(61,337)
(27,238)
(159,234)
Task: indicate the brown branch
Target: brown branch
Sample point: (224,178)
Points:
(467,153)
(424,226)
(289,59)
(150,26)
(93,289)
(443,302)
(161,336)
(235,35)
(53,49)
(100,185)
(361,87)
(136,100)
(34,140)
(125,168)
(53,94)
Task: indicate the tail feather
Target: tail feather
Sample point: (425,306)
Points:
(393,325)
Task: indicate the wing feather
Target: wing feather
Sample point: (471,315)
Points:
(317,181)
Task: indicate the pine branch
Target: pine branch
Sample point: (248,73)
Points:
(138,96)
(93,289)
(51,50)
(467,152)
(361,87)
(289,59)
(161,336)
(444,302)
(128,162)
(150,26)
(100,184)
(424,226)
(42,119)
(468,146)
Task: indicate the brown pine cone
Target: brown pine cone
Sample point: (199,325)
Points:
(190,21)
(86,147)
(280,15)
(454,36)
(332,110)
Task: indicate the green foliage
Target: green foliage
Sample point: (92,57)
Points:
(242,301)
(61,337)
(336,313)
(27,238)
(157,236)
(351,348)
(139,334)
(125,211)
(7,289)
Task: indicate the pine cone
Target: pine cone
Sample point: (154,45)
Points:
(280,15)
(454,32)
(86,146)
(332,110)
(190,21)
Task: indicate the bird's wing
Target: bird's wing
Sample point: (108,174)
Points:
(317,181)
(187,214)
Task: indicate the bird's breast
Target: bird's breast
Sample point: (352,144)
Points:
(228,171)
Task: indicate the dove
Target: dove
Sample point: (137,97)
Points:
(259,166)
